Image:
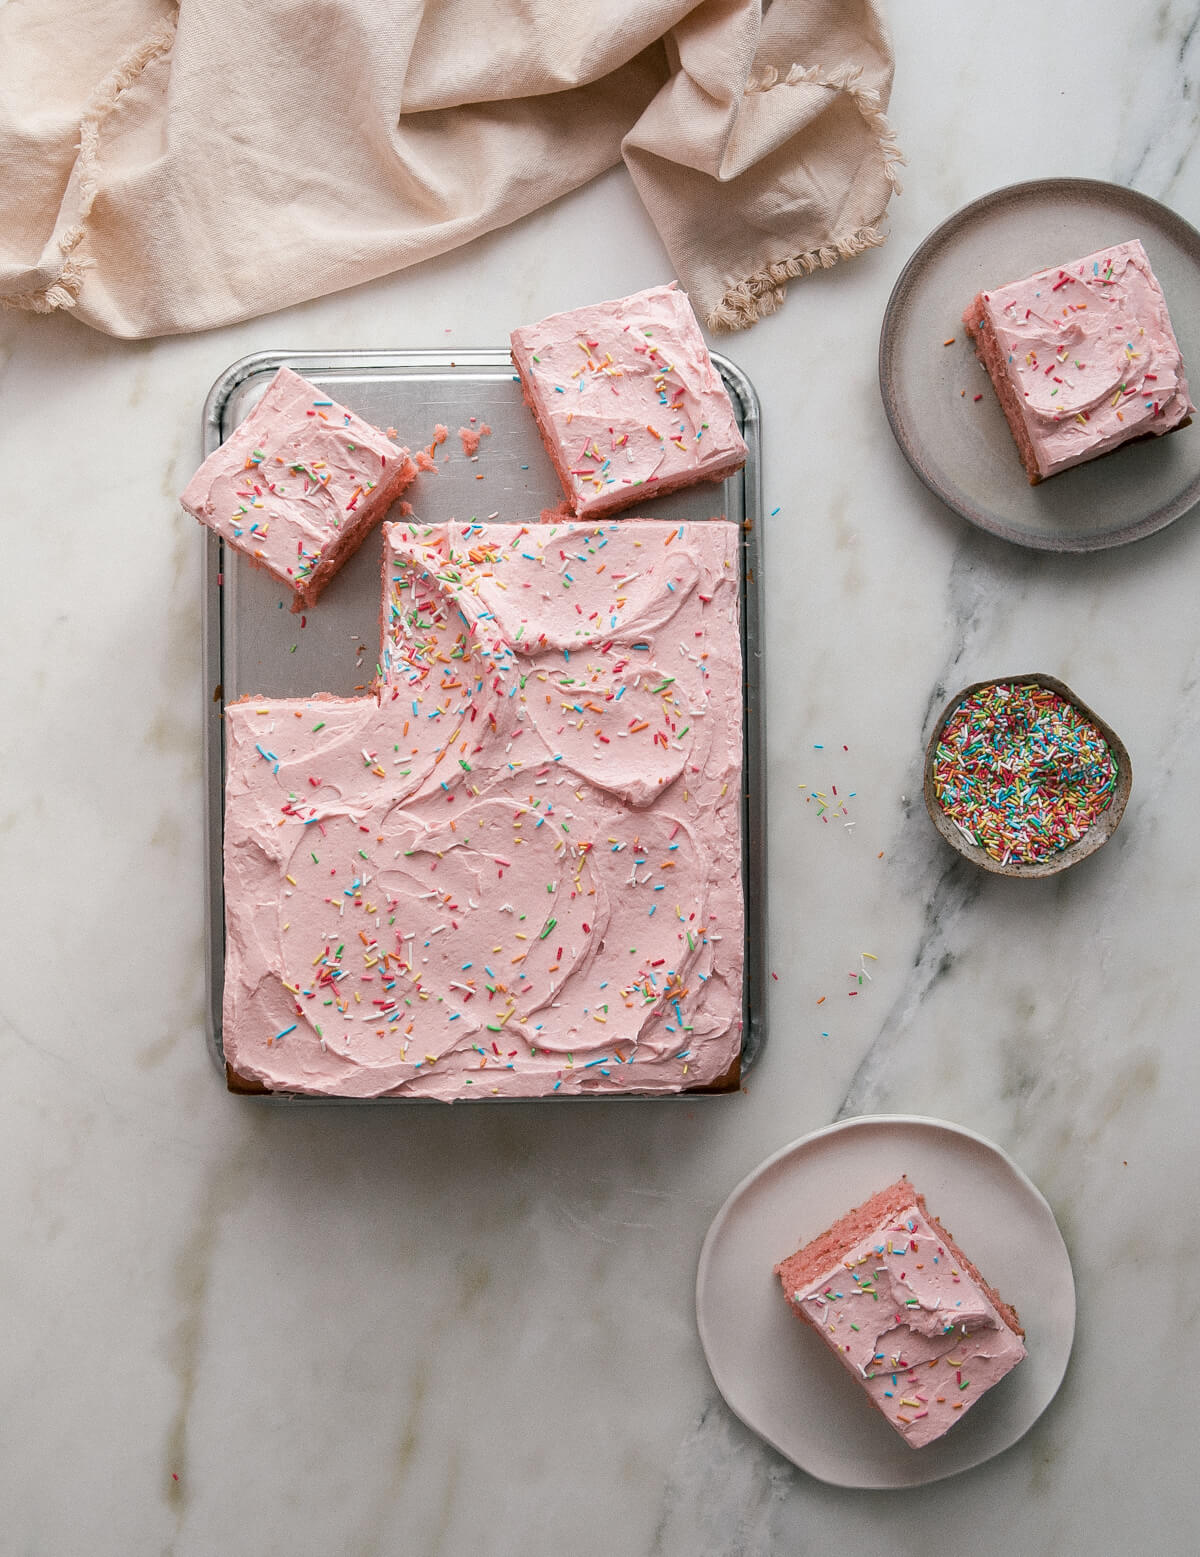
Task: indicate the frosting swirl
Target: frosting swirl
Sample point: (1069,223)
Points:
(516,869)
(627,397)
(1092,355)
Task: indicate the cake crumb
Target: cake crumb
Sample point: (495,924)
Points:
(472,437)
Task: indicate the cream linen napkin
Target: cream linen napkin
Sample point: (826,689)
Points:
(167,168)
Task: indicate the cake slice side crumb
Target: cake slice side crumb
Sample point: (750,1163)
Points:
(989,352)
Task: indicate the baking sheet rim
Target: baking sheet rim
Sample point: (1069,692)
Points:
(489,363)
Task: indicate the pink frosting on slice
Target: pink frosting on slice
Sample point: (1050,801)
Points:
(912,1324)
(518,869)
(297,485)
(1092,355)
(627,399)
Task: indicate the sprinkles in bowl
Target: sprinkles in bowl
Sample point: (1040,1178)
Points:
(1022,777)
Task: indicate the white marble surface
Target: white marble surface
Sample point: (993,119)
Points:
(231,1329)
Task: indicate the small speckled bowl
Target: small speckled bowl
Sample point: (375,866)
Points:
(1097,834)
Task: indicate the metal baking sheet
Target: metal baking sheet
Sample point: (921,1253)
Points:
(253,643)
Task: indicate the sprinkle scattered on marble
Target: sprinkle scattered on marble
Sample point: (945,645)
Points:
(829,802)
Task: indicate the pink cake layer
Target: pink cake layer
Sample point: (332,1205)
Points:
(516,870)
(905,1311)
(1083,358)
(627,400)
(297,485)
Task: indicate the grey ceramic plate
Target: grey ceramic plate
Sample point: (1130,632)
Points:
(960,447)
(789,1388)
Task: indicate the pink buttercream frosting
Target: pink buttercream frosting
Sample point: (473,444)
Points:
(517,869)
(298,483)
(627,399)
(1092,355)
(911,1323)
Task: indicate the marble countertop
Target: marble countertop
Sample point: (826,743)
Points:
(231,1328)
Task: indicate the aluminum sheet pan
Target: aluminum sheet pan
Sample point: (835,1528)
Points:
(253,643)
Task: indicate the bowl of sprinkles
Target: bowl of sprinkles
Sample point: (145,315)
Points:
(1024,779)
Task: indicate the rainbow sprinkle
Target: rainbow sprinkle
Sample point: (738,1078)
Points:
(1021,772)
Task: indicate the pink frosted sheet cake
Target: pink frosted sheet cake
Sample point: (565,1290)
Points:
(627,400)
(516,869)
(901,1306)
(298,484)
(1083,358)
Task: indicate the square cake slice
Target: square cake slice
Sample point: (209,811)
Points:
(1083,358)
(298,484)
(906,1312)
(515,870)
(627,400)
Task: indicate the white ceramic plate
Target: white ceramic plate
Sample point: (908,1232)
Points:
(962,449)
(778,1377)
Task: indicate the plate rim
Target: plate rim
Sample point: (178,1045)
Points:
(1101,191)
(840,1126)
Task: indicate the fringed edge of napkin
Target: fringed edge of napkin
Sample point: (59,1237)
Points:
(760,294)
(63,290)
